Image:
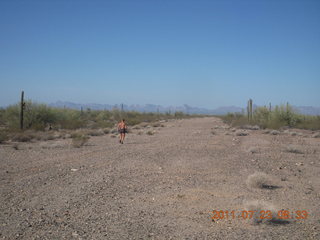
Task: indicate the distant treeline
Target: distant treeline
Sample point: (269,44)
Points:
(279,116)
(40,116)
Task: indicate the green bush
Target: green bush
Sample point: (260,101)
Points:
(281,116)
(235,119)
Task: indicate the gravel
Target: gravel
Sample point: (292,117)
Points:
(161,186)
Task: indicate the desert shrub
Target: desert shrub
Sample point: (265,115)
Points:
(274,132)
(47,136)
(95,132)
(39,116)
(106,130)
(280,116)
(235,119)
(70,119)
(250,127)
(316,135)
(26,136)
(156,124)
(293,149)
(2,113)
(260,180)
(15,146)
(241,133)
(261,117)
(11,117)
(179,115)
(3,136)
(79,139)
(136,127)
(150,132)
(259,207)
(253,150)
(309,122)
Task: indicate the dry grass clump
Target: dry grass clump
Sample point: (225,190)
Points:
(106,130)
(250,127)
(79,139)
(45,136)
(316,135)
(260,180)
(29,135)
(274,132)
(26,136)
(150,132)
(264,212)
(15,146)
(293,149)
(156,124)
(253,150)
(113,135)
(144,124)
(95,133)
(48,145)
(293,133)
(67,135)
(242,133)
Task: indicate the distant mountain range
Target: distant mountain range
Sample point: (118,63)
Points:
(171,109)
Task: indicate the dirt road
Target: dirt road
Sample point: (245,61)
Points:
(161,186)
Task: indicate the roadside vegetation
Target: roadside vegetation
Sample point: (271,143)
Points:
(280,116)
(40,118)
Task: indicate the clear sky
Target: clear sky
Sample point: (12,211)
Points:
(204,53)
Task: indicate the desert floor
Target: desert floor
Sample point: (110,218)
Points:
(161,186)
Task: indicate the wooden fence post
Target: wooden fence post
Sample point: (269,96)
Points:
(249,110)
(22,106)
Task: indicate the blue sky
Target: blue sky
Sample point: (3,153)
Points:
(201,53)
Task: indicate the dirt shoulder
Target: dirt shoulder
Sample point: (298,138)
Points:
(161,186)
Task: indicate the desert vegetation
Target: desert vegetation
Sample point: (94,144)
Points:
(40,117)
(279,116)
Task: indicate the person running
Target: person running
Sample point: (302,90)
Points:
(122,128)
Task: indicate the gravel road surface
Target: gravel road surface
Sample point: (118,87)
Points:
(162,186)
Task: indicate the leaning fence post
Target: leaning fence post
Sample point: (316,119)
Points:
(22,105)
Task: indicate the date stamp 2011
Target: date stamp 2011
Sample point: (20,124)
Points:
(262,214)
